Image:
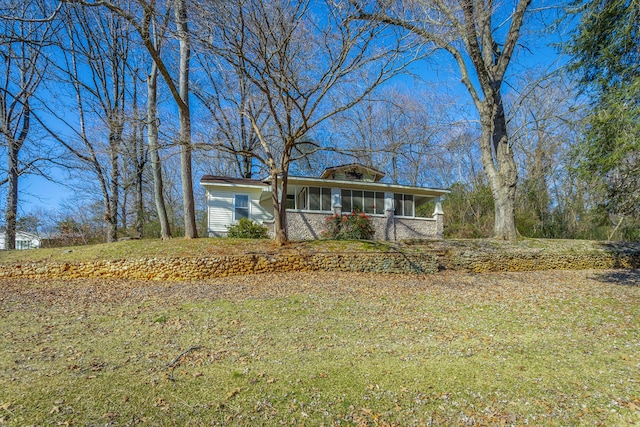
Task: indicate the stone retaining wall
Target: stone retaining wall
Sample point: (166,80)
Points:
(407,262)
(221,266)
(482,263)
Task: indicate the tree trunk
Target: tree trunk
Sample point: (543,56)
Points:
(279,197)
(501,170)
(124,212)
(137,153)
(504,206)
(139,225)
(152,140)
(247,161)
(14,145)
(11,211)
(114,186)
(190,230)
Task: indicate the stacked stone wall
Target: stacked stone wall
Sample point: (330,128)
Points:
(483,263)
(221,266)
(418,261)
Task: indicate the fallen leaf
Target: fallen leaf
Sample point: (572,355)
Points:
(233,393)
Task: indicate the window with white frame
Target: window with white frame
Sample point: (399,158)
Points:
(301,199)
(23,244)
(403,205)
(371,202)
(309,198)
(319,199)
(240,206)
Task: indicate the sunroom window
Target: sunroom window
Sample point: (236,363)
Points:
(403,204)
(363,201)
(309,198)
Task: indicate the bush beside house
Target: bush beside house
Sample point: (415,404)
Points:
(247,229)
(355,226)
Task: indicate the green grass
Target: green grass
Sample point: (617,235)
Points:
(150,248)
(555,348)
(134,249)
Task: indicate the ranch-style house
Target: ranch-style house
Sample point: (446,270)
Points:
(397,212)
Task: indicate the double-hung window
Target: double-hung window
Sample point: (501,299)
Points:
(240,206)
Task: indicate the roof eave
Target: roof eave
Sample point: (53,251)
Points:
(368,185)
(217,184)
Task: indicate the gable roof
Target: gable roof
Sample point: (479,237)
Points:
(330,173)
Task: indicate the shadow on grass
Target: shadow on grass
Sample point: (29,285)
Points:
(620,277)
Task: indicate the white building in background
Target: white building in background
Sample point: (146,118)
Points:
(23,240)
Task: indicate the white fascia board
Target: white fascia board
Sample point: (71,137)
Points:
(265,187)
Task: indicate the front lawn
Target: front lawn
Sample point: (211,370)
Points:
(539,348)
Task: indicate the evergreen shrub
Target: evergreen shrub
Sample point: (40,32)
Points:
(247,229)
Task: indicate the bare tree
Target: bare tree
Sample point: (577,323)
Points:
(467,31)
(23,68)
(141,15)
(134,159)
(155,33)
(544,117)
(401,132)
(307,62)
(184,112)
(94,62)
(230,99)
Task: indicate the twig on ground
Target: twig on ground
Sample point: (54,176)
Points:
(175,362)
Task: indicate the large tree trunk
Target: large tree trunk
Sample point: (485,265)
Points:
(190,230)
(14,145)
(152,139)
(12,196)
(279,197)
(500,166)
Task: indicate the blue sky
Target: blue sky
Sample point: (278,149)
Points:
(37,193)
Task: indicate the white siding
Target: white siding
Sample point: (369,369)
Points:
(220,207)
(23,241)
(261,212)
